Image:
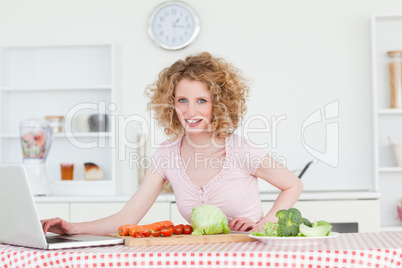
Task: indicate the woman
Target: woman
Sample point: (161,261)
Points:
(200,102)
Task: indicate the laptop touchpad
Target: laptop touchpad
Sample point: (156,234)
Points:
(55,239)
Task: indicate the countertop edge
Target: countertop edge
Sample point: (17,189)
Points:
(305,196)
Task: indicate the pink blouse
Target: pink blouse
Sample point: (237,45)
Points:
(234,190)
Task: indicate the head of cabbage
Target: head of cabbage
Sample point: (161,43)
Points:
(208,219)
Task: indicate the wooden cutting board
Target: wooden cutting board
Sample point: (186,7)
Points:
(185,239)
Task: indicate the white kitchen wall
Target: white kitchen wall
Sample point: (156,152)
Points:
(299,56)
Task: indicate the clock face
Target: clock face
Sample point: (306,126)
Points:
(173,25)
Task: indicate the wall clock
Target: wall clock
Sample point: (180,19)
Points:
(173,25)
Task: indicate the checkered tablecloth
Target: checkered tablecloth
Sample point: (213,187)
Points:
(350,250)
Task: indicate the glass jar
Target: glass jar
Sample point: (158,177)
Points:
(395,78)
(55,122)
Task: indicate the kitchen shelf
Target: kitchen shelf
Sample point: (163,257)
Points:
(390,112)
(387,122)
(62,135)
(63,80)
(390,169)
(74,88)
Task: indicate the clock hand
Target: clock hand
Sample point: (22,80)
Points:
(174,28)
(174,24)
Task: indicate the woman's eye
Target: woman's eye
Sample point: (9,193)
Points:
(202,101)
(182,100)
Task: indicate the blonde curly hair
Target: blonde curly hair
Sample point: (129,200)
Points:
(228,88)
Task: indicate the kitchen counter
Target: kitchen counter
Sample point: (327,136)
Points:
(326,195)
(358,210)
(347,250)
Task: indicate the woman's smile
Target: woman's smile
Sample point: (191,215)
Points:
(193,122)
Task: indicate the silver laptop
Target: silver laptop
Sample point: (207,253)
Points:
(19,220)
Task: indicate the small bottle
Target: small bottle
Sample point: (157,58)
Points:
(395,78)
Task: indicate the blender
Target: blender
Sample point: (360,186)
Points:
(36,139)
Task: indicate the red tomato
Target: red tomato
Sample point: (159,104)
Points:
(146,233)
(166,232)
(156,233)
(187,229)
(178,229)
(170,225)
(137,235)
(160,228)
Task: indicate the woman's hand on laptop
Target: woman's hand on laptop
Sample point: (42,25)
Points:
(57,226)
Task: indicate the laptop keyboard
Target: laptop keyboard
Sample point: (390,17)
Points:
(51,240)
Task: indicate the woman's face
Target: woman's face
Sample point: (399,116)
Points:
(193,105)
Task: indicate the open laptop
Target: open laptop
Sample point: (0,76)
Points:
(19,220)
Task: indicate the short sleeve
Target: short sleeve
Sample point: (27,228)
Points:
(250,156)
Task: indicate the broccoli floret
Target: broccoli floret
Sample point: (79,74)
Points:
(289,222)
(270,229)
(307,222)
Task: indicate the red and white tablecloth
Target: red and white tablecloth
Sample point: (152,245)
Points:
(349,250)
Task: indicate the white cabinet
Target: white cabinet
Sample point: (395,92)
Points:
(160,211)
(89,211)
(362,213)
(38,81)
(365,213)
(80,212)
(53,210)
(175,215)
(386,36)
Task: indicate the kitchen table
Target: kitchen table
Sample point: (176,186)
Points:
(347,250)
